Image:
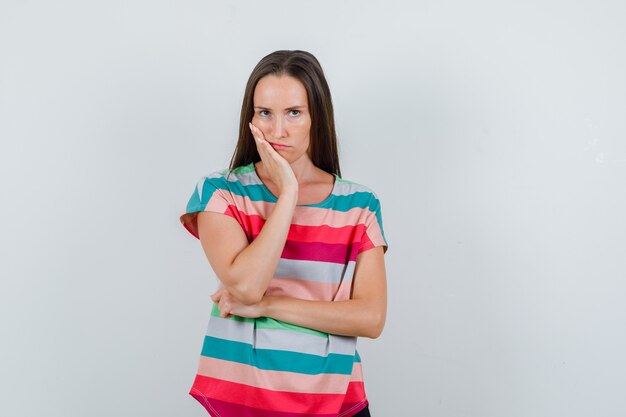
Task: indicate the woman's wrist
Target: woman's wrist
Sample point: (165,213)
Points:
(290,195)
(266,306)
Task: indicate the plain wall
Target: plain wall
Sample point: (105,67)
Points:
(493,133)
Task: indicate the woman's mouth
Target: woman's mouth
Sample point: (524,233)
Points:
(278,147)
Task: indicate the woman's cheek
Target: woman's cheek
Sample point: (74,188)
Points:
(295,126)
(303,123)
(257,121)
(262,124)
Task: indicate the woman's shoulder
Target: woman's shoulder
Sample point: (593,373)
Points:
(348,187)
(225,177)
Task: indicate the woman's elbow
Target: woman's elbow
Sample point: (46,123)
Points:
(247,295)
(375,329)
(242,289)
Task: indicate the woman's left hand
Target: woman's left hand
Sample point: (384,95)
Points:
(230,306)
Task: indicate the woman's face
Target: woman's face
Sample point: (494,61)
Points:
(282,113)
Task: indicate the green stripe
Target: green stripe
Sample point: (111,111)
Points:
(277,360)
(244,169)
(270,323)
(345,181)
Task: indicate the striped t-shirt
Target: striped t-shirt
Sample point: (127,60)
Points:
(269,368)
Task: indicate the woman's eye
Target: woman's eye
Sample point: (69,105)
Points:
(297,111)
(262,111)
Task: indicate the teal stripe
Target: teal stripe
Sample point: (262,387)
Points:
(199,202)
(277,360)
(194,202)
(374,206)
(256,192)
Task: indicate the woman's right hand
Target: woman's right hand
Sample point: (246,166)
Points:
(277,168)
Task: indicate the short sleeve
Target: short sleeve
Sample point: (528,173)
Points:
(210,194)
(374,234)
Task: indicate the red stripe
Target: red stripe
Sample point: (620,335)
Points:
(324,233)
(355,392)
(323,243)
(246,395)
(350,409)
(367,243)
(223,408)
(191,222)
(313,243)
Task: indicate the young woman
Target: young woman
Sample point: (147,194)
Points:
(298,251)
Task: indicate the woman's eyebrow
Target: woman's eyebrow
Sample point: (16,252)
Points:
(288,108)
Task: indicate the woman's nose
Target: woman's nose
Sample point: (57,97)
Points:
(278,128)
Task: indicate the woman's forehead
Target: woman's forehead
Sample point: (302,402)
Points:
(283,92)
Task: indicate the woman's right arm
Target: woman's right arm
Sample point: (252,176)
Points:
(245,269)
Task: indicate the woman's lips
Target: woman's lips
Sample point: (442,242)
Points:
(277,146)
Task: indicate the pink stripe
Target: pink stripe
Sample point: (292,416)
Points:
(373,237)
(343,293)
(314,216)
(305,216)
(303,289)
(272,380)
(357,372)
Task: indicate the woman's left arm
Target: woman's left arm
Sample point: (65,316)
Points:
(363,315)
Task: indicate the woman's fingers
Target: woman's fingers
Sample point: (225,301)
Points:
(256,132)
(224,303)
(266,151)
(224,306)
(220,298)
(276,165)
(259,137)
(217,295)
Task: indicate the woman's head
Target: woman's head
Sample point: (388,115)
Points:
(281,81)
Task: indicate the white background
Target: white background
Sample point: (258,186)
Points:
(493,132)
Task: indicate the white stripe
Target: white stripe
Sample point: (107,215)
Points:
(292,341)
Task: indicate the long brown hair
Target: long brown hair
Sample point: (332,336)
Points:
(305,67)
